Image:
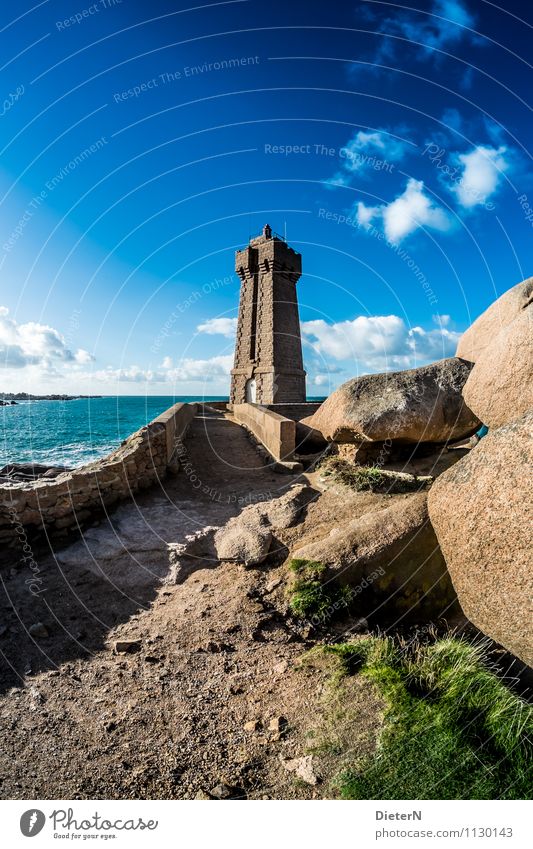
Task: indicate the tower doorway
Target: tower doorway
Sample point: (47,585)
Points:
(251,391)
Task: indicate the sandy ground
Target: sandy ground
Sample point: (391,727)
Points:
(214,700)
(220,697)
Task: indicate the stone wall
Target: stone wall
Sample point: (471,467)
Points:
(275,432)
(70,501)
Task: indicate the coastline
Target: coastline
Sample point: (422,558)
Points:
(10,399)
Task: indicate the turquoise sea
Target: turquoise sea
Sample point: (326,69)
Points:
(71,433)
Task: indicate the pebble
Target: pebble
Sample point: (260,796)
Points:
(38,630)
(221,791)
(202,795)
(278,724)
(302,767)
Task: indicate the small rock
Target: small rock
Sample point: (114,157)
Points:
(127,646)
(221,791)
(36,695)
(273,585)
(38,630)
(302,767)
(110,726)
(202,795)
(252,725)
(278,724)
(149,658)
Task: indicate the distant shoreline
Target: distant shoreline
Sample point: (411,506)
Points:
(8,399)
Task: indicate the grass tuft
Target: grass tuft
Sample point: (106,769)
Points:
(372,478)
(311,598)
(453,729)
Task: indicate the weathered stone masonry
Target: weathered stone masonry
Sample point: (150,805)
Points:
(72,499)
(268,350)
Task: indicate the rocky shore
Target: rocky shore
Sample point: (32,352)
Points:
(10,398)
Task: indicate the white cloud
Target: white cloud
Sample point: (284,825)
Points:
(365,146)
(131,374)
(365,152)
(33,355)
(219,326)
(379,342)
(187,370)
(83,357)
(204,370)
(365,214)
(324,378)
(406,213)
(338,179)
(482,171)
(32,344)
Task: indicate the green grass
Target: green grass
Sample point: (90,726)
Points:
(311,598)
(452,729)
(371,478)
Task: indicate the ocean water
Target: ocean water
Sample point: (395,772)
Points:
(71,433)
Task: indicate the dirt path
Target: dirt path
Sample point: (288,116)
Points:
(214,695)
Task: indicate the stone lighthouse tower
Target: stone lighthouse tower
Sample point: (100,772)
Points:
(268,350)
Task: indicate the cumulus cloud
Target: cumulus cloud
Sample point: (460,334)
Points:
(380,342)
(219,326)
(406,213)
(481,173)
(186,370)
(131,374)
(365,214)
(376,143)
(204,370)
(376,150)
(32,344)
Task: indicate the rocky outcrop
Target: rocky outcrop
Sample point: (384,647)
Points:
(391,559)
(500,386)
(29,472)
(247,537)
(482,333)
(481,511)
(418,405)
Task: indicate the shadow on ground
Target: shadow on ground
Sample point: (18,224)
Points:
(117,567)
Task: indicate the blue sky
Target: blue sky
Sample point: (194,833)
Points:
(142,144)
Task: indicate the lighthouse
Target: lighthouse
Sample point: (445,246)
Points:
(268,367)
